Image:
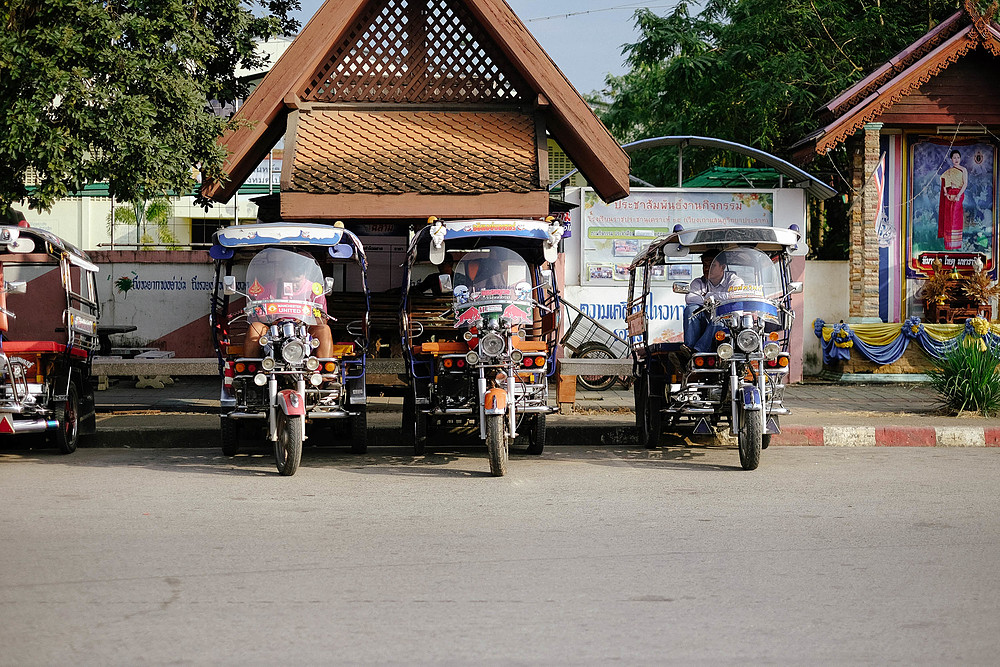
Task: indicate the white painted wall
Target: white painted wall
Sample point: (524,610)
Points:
(827,296)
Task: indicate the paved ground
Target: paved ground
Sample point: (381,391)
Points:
(587,555)
(822,414)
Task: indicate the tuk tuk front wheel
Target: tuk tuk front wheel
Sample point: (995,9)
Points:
(647,413)
(288,446)
(67,414)
(230,435)
(497,444)
(750,439)
(420,423)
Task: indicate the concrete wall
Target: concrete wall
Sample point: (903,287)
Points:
(827,296)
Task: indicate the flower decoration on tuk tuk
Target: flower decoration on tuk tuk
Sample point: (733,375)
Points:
(124,283)
(977,326)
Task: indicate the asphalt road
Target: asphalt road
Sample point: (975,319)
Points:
(585,555)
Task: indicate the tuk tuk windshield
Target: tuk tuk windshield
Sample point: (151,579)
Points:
(285,285)
(490,279)
(744,274)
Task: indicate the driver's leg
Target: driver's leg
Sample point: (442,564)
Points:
(251,342)
(694,325)
(322,333)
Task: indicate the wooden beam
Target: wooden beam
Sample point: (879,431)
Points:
(304,206)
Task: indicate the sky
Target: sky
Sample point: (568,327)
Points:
(583,37)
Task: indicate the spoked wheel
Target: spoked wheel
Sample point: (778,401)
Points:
(536,435)
(288,446)
(497,443)
(230,431)
(67,414)
(359,431)
(750,439)
(595,382)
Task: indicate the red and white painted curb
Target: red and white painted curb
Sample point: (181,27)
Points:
(888,436)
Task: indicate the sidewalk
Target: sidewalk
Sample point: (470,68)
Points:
(184,414)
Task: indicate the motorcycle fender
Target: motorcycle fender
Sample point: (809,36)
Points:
(291,402)
(751,397)
(495,401)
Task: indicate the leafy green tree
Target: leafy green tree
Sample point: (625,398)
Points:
(145,219)
(754,72)
(118,91)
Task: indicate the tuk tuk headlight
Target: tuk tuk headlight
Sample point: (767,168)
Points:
(516,356)
(491,345)
(293,352)
(267,364)
(472,358)
(725,351)
(771,351)
(263,340)
(312,363)
(747,340)
(260,379)
(315,379)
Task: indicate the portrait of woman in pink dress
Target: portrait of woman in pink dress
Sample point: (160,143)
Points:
(951,210)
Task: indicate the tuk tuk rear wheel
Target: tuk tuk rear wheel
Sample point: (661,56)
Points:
(229,430)
(288,446)
(647,413)
(750,439)
(420,423)
(497,444)
(359,431)
(67,413)
(536,436)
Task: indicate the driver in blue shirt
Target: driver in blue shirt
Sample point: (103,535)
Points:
(699,333)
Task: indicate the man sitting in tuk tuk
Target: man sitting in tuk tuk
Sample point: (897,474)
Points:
(699,332)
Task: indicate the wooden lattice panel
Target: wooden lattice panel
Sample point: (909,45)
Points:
(416,51)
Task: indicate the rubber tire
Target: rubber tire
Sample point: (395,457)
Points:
(67,435)
(419,430)
(497,444)
(595,382)
(536,436)
(765,441)
(229,430)
(750,439)
(288,446)
(359,432)
(647,413)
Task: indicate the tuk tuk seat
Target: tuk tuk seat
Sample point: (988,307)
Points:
(531,345)
(441,347)
(41,347)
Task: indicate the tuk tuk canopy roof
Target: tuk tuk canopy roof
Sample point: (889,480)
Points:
(697,240)
(44,242)
(523,234)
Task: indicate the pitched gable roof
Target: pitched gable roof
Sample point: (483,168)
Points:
(354,52)
(957,36)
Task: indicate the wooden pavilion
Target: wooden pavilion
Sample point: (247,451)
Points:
(396,110)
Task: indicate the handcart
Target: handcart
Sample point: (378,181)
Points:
(586,338)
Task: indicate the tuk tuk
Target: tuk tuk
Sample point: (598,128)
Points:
(481,347)
(738,375)
(286,363)
(46,363)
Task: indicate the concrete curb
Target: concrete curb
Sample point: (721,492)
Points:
(186,430)
(888,436)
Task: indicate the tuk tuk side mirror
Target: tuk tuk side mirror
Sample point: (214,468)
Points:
(229,285)
(795,288)
(328,285)
(548,279)
(682,288)
(15,287)
(444,282)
